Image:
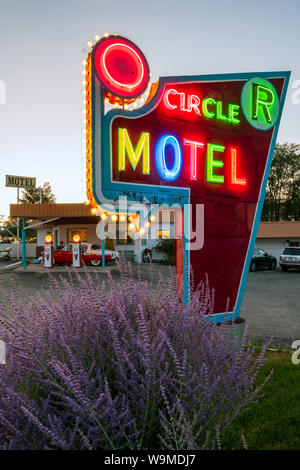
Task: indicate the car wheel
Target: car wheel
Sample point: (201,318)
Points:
(95,262)
(283,268)
(252,267)
(272,265)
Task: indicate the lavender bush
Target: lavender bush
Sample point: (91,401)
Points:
(119,365)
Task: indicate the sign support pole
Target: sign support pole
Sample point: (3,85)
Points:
(103,245)
(24,243)
(13,181)
(186,225)
(18,225)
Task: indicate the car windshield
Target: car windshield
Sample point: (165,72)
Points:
(70,247)
(292,251)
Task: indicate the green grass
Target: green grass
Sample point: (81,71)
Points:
(273,422)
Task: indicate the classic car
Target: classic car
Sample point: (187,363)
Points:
(91,253)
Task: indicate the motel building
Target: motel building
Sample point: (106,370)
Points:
(274,236)
(63,221)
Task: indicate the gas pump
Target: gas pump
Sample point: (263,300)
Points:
(48,252)
(76,253)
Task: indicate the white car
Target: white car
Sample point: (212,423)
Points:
(290,258)
(93,253)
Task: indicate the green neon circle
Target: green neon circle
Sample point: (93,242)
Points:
(271,110)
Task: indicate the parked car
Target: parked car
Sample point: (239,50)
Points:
(93,254)
(5,254)
(90,254)
(261,259)
(290,258)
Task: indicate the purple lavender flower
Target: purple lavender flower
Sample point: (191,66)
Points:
(120,365)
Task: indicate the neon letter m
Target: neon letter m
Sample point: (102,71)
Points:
(134,154)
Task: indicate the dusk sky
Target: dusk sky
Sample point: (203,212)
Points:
(40,63)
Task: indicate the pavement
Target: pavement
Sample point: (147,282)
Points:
(35,277)
(271,304)
(271,307)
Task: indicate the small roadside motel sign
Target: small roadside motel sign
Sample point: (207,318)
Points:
(195,140)
(12,181)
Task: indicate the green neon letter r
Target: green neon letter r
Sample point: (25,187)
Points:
(262,97)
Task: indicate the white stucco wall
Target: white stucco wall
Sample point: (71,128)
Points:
(40,236)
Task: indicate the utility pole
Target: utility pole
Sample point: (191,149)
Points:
(18,225)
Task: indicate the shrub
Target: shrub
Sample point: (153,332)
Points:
(119,365)
(167,247)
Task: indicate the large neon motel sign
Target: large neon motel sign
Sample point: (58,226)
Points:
(204,139)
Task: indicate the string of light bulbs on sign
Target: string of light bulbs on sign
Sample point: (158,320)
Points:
(110,102)
(132,220)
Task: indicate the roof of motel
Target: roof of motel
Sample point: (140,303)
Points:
(62,211)
(46,211)
(282,229)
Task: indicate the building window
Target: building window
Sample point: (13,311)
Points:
(124,239)
(77,231)
(163,234)
(166,217)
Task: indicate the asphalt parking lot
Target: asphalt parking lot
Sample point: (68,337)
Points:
(271,304)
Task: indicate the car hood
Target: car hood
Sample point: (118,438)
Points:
(107,252)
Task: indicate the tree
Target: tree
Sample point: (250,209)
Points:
(33,195)
(30,196)
(282,200)
(11,224)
